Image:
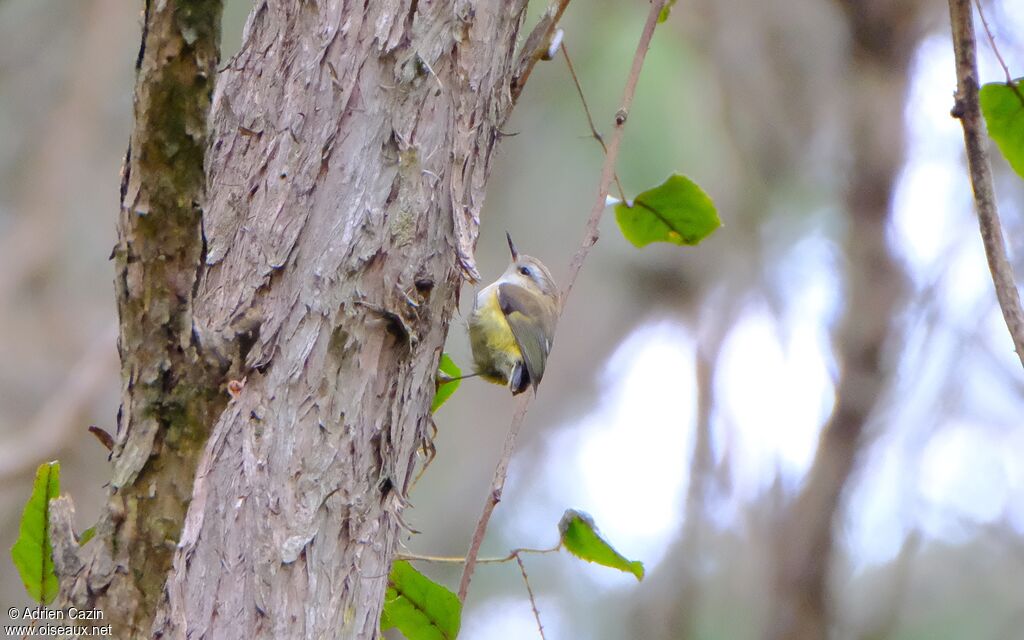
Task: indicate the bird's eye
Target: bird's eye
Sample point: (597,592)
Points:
(524,270)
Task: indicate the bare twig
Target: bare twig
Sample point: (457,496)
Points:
(533,601)
(969,113)
(992,42)
(515,554)
(59,150)
(608,169)
(536,45)
(1002,63)
(459,559)
(589,239)
(494,496)
(590,118)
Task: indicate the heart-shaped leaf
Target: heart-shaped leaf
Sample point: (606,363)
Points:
(676,211)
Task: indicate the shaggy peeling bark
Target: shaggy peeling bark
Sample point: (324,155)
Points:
(311,249)
(351,143)
(170,395)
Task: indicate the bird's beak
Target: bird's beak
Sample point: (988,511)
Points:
(512,247)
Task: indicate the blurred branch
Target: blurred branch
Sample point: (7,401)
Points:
(968,111)
(683,614)
(60,149)
(1003,532)
(668,605)
(888,624)
(52,427)
(25,250)
(590,238)
(882,42)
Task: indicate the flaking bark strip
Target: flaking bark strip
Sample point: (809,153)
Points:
(171,395)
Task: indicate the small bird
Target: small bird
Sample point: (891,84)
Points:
(513,323)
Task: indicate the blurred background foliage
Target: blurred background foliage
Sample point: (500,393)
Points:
(684,401)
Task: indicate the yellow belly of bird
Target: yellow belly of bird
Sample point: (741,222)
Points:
(495,350)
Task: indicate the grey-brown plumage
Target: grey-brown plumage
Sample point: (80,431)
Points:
(513,324)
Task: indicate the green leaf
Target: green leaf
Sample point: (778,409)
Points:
(419,607)
(446,369)
(581,538)
(32,552)
(676,211)
(667,9)
(1003,107)
(87,535)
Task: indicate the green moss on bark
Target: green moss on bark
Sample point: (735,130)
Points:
(158,260)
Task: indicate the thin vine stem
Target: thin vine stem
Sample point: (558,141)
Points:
(529,592)
(461,559)
(999,56)
(968,110)
(590,118)
(589,239)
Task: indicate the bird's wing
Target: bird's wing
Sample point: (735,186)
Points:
(519,306)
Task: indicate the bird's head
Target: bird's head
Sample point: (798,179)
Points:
(530,273)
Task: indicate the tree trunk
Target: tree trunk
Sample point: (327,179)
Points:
(170,393)
(883,37)
(349,147)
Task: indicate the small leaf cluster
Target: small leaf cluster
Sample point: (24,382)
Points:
(424,610)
